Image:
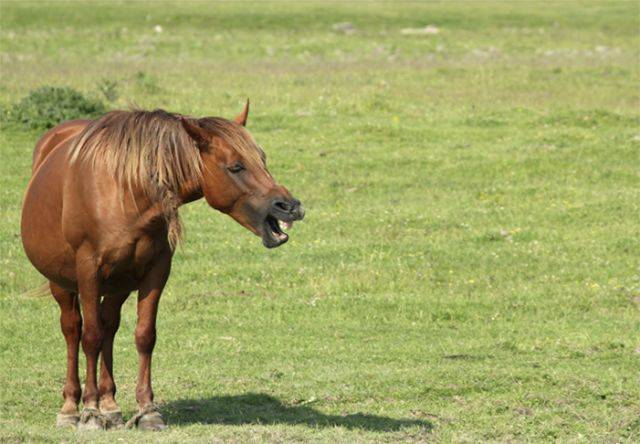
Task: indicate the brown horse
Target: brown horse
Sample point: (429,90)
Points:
(100,220)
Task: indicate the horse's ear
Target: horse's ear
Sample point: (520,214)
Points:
(198,134)
(241,119)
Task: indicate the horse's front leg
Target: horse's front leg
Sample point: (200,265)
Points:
(92,334)
(148,417)
(110,315)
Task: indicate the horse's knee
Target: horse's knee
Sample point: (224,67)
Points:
(145,338)
(92,338)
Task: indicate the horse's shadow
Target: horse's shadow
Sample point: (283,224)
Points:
(259,408)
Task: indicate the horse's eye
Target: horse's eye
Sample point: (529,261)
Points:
(236,167)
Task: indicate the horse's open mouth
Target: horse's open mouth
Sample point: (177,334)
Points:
(273,234)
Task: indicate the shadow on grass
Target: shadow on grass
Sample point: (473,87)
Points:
(259,408)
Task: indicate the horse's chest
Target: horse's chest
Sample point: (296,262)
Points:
(126,262)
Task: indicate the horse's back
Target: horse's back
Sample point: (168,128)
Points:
(55,137)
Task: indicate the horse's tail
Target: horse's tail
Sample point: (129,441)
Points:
(37,292)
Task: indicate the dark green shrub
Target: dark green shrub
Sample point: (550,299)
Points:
(48,106)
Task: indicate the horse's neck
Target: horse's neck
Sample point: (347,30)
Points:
(160,214)
(190,192)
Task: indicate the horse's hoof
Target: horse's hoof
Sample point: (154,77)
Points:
(151,422)
(67,420)
(91,419)
(113,419)
(147,418)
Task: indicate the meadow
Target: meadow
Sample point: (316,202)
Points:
(469,266)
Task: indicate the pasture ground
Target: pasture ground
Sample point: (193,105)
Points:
(469,266)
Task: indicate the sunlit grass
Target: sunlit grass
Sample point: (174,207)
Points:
(468,267)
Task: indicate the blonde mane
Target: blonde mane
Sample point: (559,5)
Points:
(237,137)
(152,151)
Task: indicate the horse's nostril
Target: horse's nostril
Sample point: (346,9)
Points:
(282,205)
(288,206)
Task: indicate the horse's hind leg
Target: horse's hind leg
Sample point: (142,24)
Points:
(110,314)
(71,324)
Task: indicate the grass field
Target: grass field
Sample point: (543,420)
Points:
(469,267)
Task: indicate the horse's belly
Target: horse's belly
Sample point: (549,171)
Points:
(41,224)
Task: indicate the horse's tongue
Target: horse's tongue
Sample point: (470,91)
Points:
(285,225)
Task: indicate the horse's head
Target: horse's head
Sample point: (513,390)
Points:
(235,179)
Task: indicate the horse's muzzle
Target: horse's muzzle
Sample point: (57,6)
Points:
(281,215)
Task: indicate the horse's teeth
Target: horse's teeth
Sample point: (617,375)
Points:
(282,225)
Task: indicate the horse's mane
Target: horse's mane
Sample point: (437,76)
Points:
(152,151)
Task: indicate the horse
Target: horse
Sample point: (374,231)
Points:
(100,220)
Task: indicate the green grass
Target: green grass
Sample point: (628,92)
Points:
(469,266)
